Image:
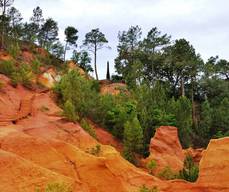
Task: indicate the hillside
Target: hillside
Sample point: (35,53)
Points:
(158,121)
(39,147)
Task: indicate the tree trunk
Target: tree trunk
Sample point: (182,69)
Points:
(194,119)
(182,87)
(3,24)
(65,50)
(95,55)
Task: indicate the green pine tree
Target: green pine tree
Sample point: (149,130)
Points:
(133,139)
(205,120)
(184,121)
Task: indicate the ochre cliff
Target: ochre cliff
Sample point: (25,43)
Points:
(166,150)
(39,147)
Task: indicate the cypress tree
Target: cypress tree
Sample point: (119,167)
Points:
(108,71)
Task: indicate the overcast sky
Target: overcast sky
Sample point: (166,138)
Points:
(205,23)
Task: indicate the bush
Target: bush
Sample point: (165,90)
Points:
(7,68)
(80,96)
(14,49)
(145,189)
(22,75)
(190,171)
(36,64)
(70,112)
(95,86)
(44,109)
(87,127)
(58,187)
(1,85)
(77,90)
(151,166)
(220,134)
(120,110)
(101,113)
(95,150)
(167,173)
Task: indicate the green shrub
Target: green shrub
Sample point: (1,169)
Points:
(95,150)
(95,86)
(22,75)
(36,64)
(110,111)
(101,112)
(220,134)
(1,85)
(145,189)
(87,127)
(121,109)
(167,173)
(7,68)
(151,166)
(44,108)
(13,49)
(190,171)
(58,187)
(77,90)
(70,111)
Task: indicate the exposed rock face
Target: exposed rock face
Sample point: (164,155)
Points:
(19,174)
(106,87)
(214,166)
(72,65)
(195,153)
(4,56)
(214,170)
(166,149)
(49,78)
(27,56)
(106,138)
(41,147)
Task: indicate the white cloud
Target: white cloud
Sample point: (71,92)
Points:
(203,22)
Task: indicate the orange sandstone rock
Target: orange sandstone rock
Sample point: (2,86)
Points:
(166,149)
(195,153)
(214,166)
(112,88)
(106,138)
(21,175)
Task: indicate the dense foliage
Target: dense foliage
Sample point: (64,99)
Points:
(77,94)
(157,69)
